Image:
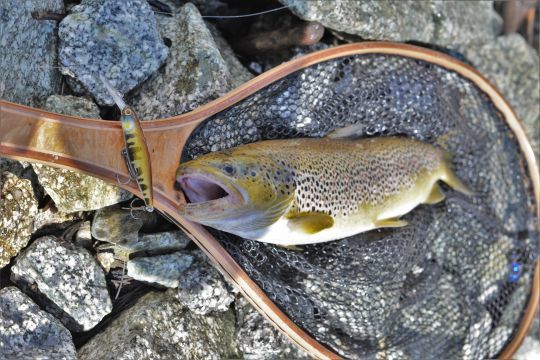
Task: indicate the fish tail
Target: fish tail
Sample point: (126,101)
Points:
(450,178)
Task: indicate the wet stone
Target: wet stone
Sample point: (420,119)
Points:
(27,332)
(116,39)
(67,279)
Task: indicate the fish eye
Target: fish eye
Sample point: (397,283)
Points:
(229,169)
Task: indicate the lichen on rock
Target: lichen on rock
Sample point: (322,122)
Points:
(18,206)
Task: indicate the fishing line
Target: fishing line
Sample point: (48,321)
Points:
(231,16)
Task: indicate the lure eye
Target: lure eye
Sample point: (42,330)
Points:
(229,169)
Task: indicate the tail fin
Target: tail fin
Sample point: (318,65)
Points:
(450,178)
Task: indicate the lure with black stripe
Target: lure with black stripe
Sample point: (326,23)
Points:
(135,152)
(137,156)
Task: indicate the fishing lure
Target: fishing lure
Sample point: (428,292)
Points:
(135,152)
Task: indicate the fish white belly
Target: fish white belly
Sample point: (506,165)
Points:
(281,233)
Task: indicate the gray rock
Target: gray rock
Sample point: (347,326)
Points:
(195,71)
(115,225)
(18,206)
(120,229)
(83,237)
(27,332)
(28,52)
(164,270)
(116,39)
(158,326)
(69,190)
(50,217)
(202,288)
(258,339)
(159,242)
(69,279)
(445,23)
(239,74)
(514,68)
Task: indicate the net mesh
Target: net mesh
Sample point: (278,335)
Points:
(451,284)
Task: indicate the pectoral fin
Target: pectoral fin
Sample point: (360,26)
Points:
(310,222)
(390,223)
(435,196)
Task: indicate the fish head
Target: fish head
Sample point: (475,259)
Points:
(235,191)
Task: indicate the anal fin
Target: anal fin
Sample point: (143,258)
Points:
(310,222)
(435,196)
(291,247)
(390,223)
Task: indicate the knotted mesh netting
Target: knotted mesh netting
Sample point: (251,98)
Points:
(454,282)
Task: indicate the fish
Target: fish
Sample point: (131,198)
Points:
(135,152)
(312,190)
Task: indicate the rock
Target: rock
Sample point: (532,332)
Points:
(72,191)
(18,207)
(83,237)
(164,270)
(114,225)
(239,74)
(195,71)
(202,289)
(258,339)
(159,326)
(514,68)
(49,218)
(68,279)
(28,52)
(116,39)
(445,23)
(119,228)
(106,260)
(27,332)
(161,242)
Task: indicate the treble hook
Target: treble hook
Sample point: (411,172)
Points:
(132,208)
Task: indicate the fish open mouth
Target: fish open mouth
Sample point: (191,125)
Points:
(202,188)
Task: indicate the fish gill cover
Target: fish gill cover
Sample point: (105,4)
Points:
(453,283)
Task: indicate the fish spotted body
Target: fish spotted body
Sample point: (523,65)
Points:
(305,191)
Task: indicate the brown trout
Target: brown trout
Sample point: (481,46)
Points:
(304,191)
